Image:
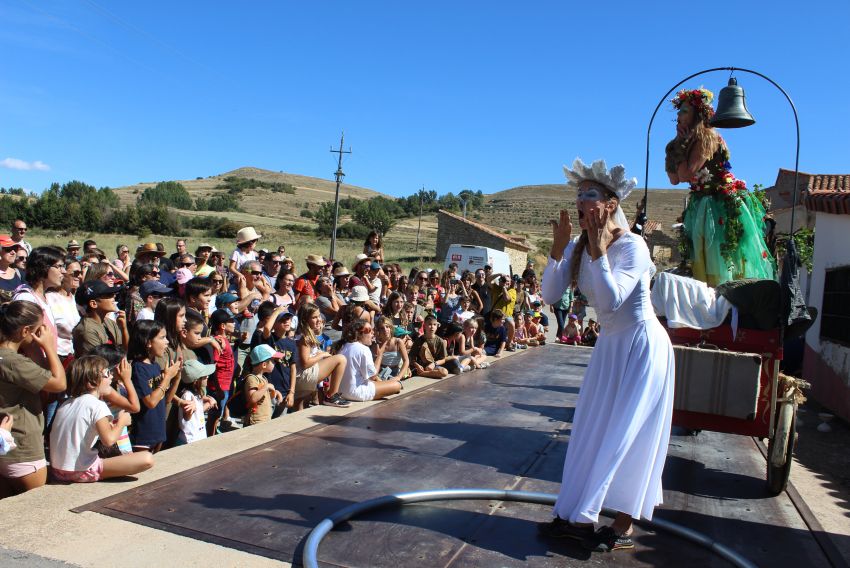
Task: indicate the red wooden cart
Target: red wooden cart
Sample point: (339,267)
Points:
(776,406)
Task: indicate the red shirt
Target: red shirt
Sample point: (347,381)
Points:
(225,363)
(304,285)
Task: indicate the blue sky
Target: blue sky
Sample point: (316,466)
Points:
(449,95)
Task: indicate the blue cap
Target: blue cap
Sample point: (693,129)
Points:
(225,299)
(262,353)
(375,265)
(153,287)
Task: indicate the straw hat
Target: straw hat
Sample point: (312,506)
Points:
(149,248)
(315,259)
(360,258)
(72,244)
(341,271)
(247,234)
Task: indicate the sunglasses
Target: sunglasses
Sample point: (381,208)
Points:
(155,273)
(76,273)
(217,280)
(274,262)
(20,258)
(110,275)
(186,264)
(367,330)
(256,273)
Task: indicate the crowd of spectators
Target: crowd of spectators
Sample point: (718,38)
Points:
(106,361)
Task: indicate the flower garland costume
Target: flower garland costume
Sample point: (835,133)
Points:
(723,223)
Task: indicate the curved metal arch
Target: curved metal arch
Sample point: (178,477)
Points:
(311,546)
(731,70)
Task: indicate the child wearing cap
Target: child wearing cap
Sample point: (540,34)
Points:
(194,384)
(259,392)
(534,330)
(520,335)
(151,292)
(95,328)
(572,331)
(222,328)
(273,330)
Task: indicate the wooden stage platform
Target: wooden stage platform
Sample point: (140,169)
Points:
(503,428)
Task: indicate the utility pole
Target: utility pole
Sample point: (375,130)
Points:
(419,228)
(339,175)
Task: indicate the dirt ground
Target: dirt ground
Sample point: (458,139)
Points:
(827,454)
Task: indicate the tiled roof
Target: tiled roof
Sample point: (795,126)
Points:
(513,241)
(651,226)
(829,194)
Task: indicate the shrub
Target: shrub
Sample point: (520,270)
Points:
(227,230)
(167,193)
(306,213)
(218,203)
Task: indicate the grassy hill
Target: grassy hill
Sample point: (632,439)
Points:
(523,210)
(527,209)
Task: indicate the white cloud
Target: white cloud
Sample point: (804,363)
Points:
(16,164)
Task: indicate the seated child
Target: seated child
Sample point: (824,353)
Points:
(591,333)
(122,396)
(259,392)
(469,345)
(497,335)
(82,419)
(429,352)
(520,336)
(463,313)
(534,330)
(361,382)
(572,331)
(455,343)
(274,330)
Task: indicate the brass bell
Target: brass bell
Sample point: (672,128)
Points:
(732,108)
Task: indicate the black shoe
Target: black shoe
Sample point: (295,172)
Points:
(606,540)
(337,401)
(559,528)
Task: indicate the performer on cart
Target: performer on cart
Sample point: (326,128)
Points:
(621,426)
(723,223)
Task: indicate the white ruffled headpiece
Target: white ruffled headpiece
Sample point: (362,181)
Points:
(614,179)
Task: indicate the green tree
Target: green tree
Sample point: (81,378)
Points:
(324,217)
(378,214)
(168,193)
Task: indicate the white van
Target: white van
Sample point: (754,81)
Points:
(471,257)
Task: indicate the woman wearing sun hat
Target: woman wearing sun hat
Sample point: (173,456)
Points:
(621,426)
(246,240)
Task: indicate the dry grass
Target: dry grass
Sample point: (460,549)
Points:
(523,211)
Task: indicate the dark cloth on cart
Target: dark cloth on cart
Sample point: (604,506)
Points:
(757,302)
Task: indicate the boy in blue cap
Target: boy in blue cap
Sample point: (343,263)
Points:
(259,392)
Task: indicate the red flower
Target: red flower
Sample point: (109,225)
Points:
(720,221)
(764,254)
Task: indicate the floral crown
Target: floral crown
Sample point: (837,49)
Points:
(614,179)
(700,99)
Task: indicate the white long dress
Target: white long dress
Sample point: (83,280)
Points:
(621,426)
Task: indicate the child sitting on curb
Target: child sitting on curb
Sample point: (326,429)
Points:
(497,335)
(534,330)
(81,420)
(572,331)
(429,352)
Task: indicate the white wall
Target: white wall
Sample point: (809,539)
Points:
(831,251)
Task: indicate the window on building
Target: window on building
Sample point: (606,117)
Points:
(835,315)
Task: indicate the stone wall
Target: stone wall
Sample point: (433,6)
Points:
(452,231)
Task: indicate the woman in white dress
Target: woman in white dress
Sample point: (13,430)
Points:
(621,426)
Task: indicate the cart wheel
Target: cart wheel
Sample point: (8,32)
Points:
(777,476)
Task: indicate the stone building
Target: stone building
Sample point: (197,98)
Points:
(455,230)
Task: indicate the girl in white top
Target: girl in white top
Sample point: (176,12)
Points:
(84,418)
(194,380)
(360,382)
(621,426)
(243,253)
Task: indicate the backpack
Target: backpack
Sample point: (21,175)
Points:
(238,403)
